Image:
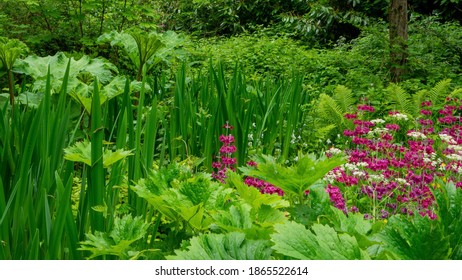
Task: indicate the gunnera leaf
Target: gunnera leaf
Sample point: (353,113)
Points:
(119,241)
(81,152)
(230,246)
(321,242)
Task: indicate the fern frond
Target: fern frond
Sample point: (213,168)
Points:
(329,110)
(323,131)
(439,92)
(399,99)
(417,99)
(344,98)
(457,93)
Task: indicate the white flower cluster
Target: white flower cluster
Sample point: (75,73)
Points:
(402,181)
(432,159)
(350,166)
(334,151)
(354,166)
(456,148)
(416,135)
(447,138)
(376,178)
(399,116)
(332,175)
(378,131)
(295,139)
(359,173)
(456,157)
(377,121)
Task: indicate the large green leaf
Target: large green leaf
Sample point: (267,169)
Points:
(319,206)
(355,225)
(236,218)
(81,152)
(252,196)
(322,242)
(10,51)
(119,241)
(81,72)
(230,246)
(140,47)
(183,198)
(295,179)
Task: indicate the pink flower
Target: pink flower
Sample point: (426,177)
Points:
(365,108)
(351,116)
(392,126)
(252,163)
(425,112)
(228,149)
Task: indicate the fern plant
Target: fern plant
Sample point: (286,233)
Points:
(439,92)
(330,112)
(399,100)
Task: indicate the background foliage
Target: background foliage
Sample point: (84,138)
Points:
(112,112)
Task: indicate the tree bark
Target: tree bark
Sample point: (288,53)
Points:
(398,26)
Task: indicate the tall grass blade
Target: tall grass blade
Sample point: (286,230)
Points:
(96,186)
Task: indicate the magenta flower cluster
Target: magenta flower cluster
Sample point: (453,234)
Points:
(261,185)
(225,160)
(384,176)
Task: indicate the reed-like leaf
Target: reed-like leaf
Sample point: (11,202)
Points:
(96,186)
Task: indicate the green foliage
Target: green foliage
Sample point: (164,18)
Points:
(252,196)
(49,26)
(434,54)
(326,21)
(230,246)
(290,98)
(439,92)
(449,200)
(296,179)
(82,72)
(320,242)
(416,239)
(249,211)
(36,216)
(223,17)
(151,49)
(399,100)
(330,111)
(81,152)
(318,209)
(185,199)
(119,241)
(260,54)
(10,51)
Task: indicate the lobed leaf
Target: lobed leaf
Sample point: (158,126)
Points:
(230,246)
(322,242)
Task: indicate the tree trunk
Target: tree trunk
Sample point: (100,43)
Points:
(398,38)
